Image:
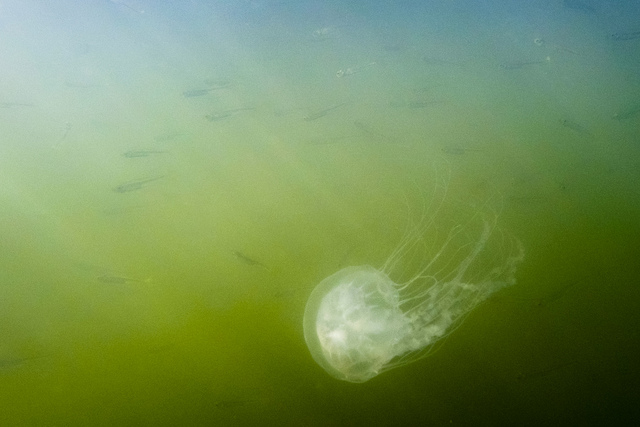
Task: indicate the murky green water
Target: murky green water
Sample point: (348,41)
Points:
(175,181)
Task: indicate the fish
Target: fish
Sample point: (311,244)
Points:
(626,36)
(134,185)
(8,364)
(628,113)
(544,372)
(213,85)
(247,260)
(431,60)
(322,113)
(195,92)
(564,49)
(554,296)
(118,280)
(414,105)
(67,129)
(221,115)
(217,84)
(578,5)
(121,210)
(127,6)
(12,363)
(141,153)
(373,134)
(576,127)
(352,70)
(79,84)
(168,136)
(325,33)
(457,150)
(366,129)
(393,47)
(335,140)
(231,403)
(15,104)
(517,65)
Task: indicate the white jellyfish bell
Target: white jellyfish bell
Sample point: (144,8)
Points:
(359,323)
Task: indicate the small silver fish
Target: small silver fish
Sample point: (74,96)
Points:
(440,61)
(213,85)
(134,185)
(12,363)
(576,127)
(195,92)
(579,5)
(543,372)
(141,153)
(626,36)
(15,104)
(220,115)
(374,134)
(322,113)
(118,280)
(414,105)
(517,65)
(217,84)
(247,260)
(231,403)
(628,113)
(458,150)
(168,136)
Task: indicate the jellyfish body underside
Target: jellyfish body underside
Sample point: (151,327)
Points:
(359,323)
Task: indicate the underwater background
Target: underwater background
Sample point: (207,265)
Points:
(177,177)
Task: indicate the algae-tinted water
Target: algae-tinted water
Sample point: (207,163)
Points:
(194,334)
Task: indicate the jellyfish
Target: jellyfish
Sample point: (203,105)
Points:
(359,323)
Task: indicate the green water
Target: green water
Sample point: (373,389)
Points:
(180,302)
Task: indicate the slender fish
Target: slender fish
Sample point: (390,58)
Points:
(195,92)
(15,104)
(517,65)
(544,372)
(213,85)
(414,105)
(134,185)
(117,280)
(576,127)
(628,113)
(626,36)
(247,260)
(322,113)
(579,5)
(221,115)
(458,150)
(141,153)
(12,363)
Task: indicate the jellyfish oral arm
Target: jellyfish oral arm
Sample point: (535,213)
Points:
(359,323)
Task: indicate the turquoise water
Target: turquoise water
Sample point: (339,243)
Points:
(176,180)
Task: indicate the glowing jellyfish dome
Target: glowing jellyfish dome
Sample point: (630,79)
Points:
(359,323)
